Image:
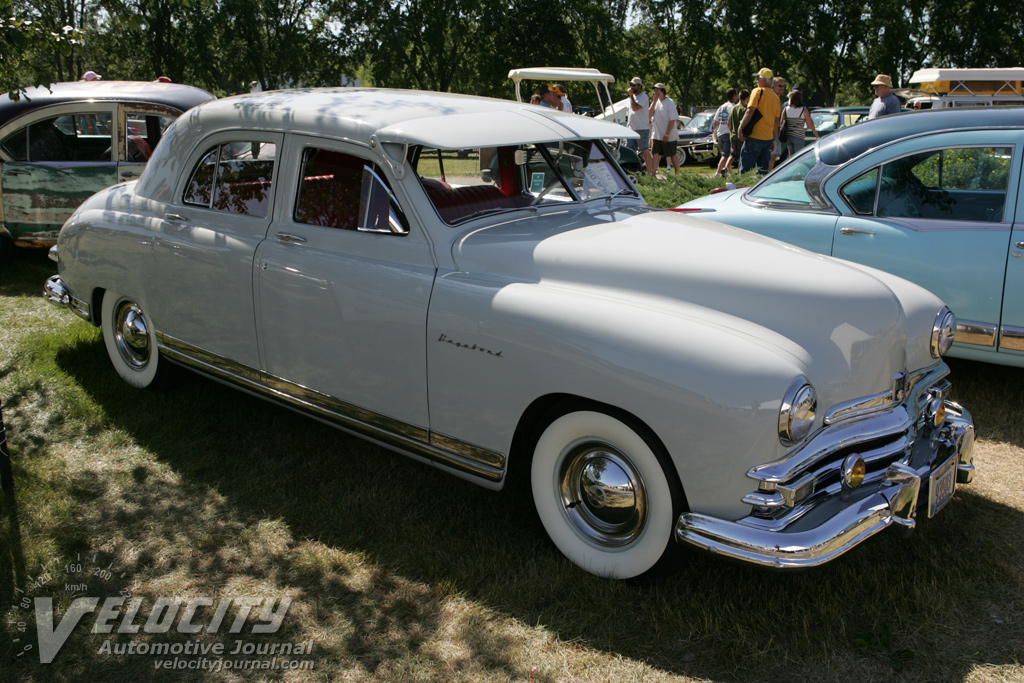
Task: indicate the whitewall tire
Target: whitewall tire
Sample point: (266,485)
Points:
(604,495)
(130,339)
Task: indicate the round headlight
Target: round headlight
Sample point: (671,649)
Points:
(943,332)
(796,416)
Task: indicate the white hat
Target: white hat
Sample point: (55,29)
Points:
(91,76)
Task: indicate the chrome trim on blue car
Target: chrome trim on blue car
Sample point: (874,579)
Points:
(401,436)
(976,334)
(1011,338)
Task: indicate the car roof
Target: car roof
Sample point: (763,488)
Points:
(436,119)
(850,142)
(175,95)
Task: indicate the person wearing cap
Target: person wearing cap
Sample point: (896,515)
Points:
(638,119)
(91,76)
(885,102)
(664,130)
(549,98)
(563,97)
(757,146)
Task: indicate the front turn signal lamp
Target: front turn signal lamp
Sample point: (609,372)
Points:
(854,469)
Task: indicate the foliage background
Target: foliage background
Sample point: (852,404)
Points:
(697,47)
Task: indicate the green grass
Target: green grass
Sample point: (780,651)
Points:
(401,573)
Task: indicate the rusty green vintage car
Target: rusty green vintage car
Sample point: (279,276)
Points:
(61,144)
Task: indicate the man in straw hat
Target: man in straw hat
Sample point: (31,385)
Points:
(885,102)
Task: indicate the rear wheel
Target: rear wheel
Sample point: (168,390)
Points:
(130,339)
(606,495)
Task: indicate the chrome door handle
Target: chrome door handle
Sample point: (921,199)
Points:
(17,172)
(130,174)
(1019,245)
(175,218)
(289,238)
(855,231)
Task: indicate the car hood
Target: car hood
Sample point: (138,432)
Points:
(841,326)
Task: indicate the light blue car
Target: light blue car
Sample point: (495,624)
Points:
(932,196)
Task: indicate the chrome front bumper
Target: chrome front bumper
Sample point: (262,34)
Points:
(845,518)
(59,294)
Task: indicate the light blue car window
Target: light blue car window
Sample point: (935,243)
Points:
(961,183)
(860,192)
(787,183)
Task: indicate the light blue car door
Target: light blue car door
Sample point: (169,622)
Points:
(1011,338)
(938,211)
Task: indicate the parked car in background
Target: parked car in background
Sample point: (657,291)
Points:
(932,196)
(696,141)
(830,119)
(656,379)
(61,144)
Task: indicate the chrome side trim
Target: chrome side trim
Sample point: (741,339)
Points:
(204,361)
(59,294)
(1011,338)
(395,434)
(475,453)
(869,404)
(977,334)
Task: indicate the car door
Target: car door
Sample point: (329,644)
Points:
(938,211)
(343,284)
(205,244)
(54,160)
(1011,333)
(140,127)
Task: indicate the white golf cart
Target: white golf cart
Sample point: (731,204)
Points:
(628,158)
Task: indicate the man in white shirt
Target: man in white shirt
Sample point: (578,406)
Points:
(563,97)
(721,124)
(639,119)
(664,128)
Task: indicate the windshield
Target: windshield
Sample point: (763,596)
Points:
(463,184)
(702,121)
(786,184)
(825,121)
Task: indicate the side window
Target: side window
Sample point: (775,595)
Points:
(142,133)
(72,137)
(345,192)
(966,184)
(234,177)
(860,192)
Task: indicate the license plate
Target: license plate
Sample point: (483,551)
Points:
(941,485)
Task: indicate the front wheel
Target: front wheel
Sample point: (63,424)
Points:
(605,497)
(130,339)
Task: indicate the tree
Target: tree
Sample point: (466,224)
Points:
(22,42)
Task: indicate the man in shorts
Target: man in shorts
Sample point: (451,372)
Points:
(664,128)
(721,124)
(639,119)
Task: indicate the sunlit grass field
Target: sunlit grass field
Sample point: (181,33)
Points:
(400,573)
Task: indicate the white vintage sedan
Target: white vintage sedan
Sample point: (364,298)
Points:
(477,284)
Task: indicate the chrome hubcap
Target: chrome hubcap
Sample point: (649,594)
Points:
(603,494)
(131,335)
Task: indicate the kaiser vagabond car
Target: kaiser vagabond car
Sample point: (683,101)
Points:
(932,196)
(658,379)
(61,144)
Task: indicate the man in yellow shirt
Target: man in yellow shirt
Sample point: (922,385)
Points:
(757,144)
